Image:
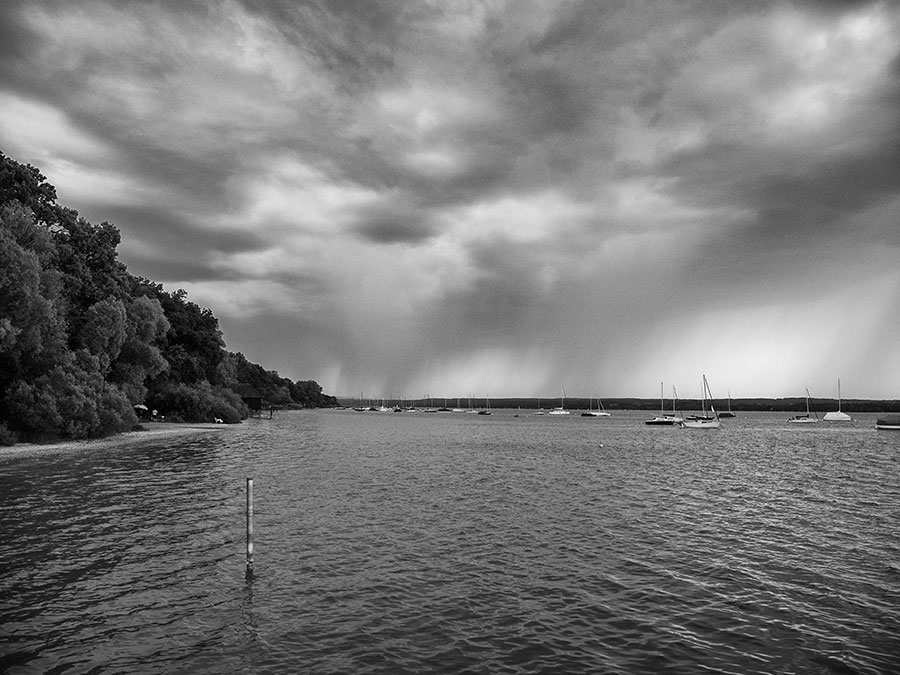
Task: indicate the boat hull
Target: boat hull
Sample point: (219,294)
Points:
(701,424)
(890,423)
(802,420)
(666,421)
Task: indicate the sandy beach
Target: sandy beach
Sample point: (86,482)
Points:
(147,429)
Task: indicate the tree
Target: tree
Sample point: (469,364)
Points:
(140,357)
(193,344)
(86,258)
(102,332)
(26,185)
(309,393)
(82,341)
(32,330)
(56,344)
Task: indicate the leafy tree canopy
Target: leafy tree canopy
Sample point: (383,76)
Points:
(83,343)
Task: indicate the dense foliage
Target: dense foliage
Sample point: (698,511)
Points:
(83,343)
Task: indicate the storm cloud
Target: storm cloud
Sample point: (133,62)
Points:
(491,198)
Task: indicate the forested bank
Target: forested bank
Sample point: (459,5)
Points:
(84,344)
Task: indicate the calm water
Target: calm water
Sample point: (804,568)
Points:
(452,543)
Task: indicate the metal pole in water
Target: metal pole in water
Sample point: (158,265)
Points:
(249,527)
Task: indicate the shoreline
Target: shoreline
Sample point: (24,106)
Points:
(147,430)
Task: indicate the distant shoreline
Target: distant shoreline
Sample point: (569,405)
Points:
(748,404)
(146,430)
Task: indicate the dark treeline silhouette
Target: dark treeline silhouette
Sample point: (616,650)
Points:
(84,343)
(821,405)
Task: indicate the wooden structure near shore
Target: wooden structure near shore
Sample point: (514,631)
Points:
(257,405)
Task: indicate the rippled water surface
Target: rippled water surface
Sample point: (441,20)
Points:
(452,543)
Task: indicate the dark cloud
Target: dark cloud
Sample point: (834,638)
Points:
(259,335)
(16,41)
(398,190)
(166,245)
(395,225)
(498,304)
(895,66)
(836,6)
(548,100)
(354,39)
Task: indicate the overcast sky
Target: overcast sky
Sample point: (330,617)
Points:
(491,198)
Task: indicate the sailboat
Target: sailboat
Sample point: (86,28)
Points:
(805,419)
(663,419)
(702,415)
(727,413)
(704,422)
(561,410)
(540,410)
(599,412)
(487,409)
(837,416)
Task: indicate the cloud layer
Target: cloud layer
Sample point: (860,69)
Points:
(496,198)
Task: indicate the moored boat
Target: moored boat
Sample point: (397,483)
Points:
(599,412)
(561,410)
(837,416)
(804,419)
(728,413)
(889,423)
(703,421)
(664,419)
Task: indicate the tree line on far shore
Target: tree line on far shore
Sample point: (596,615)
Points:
(84,343)
(790,404)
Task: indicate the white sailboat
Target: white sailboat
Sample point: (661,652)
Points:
(663,419)
(599,412)
(805,419)
(703,415)
(561,410)
(837,416)
(704,422)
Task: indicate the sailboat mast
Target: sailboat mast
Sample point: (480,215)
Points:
(662,409)
(708,391)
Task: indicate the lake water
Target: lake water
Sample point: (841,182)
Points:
(454,543)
